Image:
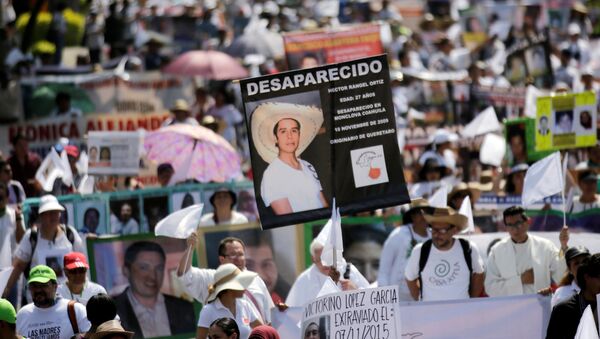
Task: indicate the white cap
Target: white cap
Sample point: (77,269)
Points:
(442,136)
(574,29)
(49,203)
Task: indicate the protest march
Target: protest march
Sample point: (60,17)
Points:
(309,169)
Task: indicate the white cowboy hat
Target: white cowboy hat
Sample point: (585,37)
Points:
(229,277)
(447,215)
(110,327)
(49,203)
(266,115)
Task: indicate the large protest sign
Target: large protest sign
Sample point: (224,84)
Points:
(520,138)
(309,49)
(367,313)
(530,59)
(566,121)
(527,315)
(114,152)
(321,133)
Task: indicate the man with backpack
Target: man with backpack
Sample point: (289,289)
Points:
(445,267)
(524,263)
(46,244)
(50,316)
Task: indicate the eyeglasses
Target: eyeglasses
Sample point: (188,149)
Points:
(440,230)
(517,224)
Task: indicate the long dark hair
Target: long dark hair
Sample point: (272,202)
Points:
(228,325)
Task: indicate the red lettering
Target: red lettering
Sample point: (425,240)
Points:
(121,125)
(130,125)
(110,125)
(74,131)
(63,130)
(142,123)
(90,126)
(155,123)
(30,133)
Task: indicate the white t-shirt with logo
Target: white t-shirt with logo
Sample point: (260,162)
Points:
(50,323)
(90,289)
(301,187)
(446,274)
(245,315)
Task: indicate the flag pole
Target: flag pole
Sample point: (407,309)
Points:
(564,182)
(333,223)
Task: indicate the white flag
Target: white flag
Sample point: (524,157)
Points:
(180,224)
(465,209)
(5,250)
(413,114)
(333,241)
(86,185)
(67,174)
(50,169)
(531,101)
(82,163)
(587,325)
(484,122)
(329,287)
(4,275)
(439,198)
(492,150)
(543,179)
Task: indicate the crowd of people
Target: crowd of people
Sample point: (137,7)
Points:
(553,49)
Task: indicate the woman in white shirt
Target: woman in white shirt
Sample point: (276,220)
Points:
(225,300)
(223,200)
(568,284)
(281,132)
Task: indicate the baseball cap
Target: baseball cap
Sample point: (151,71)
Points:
(72,150)
(574,252)
(41,274)
(75,260)
(7,312)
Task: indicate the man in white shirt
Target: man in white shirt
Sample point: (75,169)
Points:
(231,251)
(47,243)
(445,267)
(309,283)
(125,223)
(398,247)
(78,287)
(523,263)
(49,316)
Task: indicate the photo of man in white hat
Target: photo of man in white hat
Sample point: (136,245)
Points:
(281,132)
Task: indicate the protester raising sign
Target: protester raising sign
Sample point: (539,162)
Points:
(566,121)
(114,152)
(321,133)
(367,313)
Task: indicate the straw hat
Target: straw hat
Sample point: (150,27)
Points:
(181,106)
(229,277)
(49,203)
(110,327)
(266,115)
(414,206)
(447,215)
(472,188)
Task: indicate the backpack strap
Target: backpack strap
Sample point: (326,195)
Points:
(466,248)
(69,232)
(425,250)
(72,316)
(33,239)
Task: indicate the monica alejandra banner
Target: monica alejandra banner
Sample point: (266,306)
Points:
(321,133)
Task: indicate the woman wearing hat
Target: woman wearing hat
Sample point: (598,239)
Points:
(461,191)
(516,179)
(111,329)
(568,284)
(181,114)
(225,300)
(223,200)
(281,132)
(587,180)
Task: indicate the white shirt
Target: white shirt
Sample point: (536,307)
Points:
(446,274)
(118,227)
(245,314)
(196,282)
(579,206)
(301,187)
(394,256)
(309,283)
(16,193)
(48,252)
(90,289)
(231,116)
(564,292)
(8,227)
(236,218)
(41,323)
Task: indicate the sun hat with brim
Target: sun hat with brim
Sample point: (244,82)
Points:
(49,203)
(416,205)
(266,115)
(229,277)
(447,215)
(111,327)
(442,136)
(472,188)
(223,190)
(7,312)
(181,106)
(41,274)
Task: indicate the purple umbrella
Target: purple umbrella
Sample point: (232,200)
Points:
(195,152)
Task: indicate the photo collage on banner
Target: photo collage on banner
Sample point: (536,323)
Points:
(566,121)
(530,61)
(114,152)
(323,133)
(92,216)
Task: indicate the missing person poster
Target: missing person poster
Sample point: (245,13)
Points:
(310,49)
(321,133)
(566,121)
(367,313)
(114,152)
(530,61)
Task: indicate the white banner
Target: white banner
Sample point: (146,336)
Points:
(367,313)
(115,152)
(524,316)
